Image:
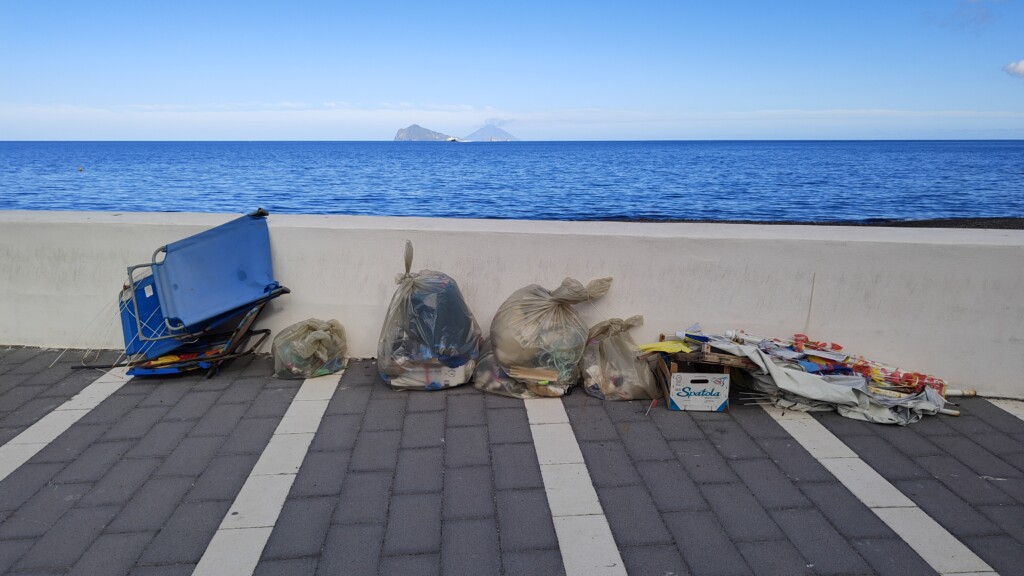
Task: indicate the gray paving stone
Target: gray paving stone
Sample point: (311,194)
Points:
(466,411)
(351,549)
(250,436)
(242,391)
(608,464)
(112,554)
(844,427)
(794,460)
(337,433)
(219,420)
(11,551)
(349,399)
(819,542)
(30,412)
(321,474)
(632,516)
(167,393)
(508,427)
(384,414)
(414,524)
(663,560)
(94,463)
(731,439)
(1002,445)
(968,424)
(376,450)
(470,547)
(769,485)
(976,457)
(191,456)
(774,558)
(222,479)
(68,539)
(498,401)
(72,384)
(886,460)
(468,493)
(161,440)
(290,567)
(417,565)
(703,462)
(42,511)
(151,506)
(670,486)
(643,441)
(992,415)
(705,546)
(193,406)
(426,402)
(466,447)
(533,563)
(1009,518)
(844,511)
(891,557)
(118,486)
(962,481)
(935,426)
(627,410)
(947,508)
(516,466)
(71,443)
(756,422)
(187,533)
(135,424)
(592,424)
(524,520)
(112,409)
(6,434)
(18,396)
(364,498)
(1003,553)
(301,528)
(17,488)
(742,517)
(271,403)
(419,470)
(907,440)
(423,430)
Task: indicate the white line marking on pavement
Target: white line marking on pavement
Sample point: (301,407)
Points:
(1015,407)
(584,536)
(940,549)
(33,439)
(243,533)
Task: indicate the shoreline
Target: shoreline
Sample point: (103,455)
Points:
(992,223)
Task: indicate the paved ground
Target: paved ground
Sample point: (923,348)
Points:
(449,482)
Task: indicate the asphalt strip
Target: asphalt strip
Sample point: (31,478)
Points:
(940,549)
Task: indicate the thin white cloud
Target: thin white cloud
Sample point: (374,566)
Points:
(1015,68)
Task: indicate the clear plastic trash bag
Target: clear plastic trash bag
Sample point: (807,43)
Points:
(490,377)
(430,339)
(611,364)
(538,338)
(309,349)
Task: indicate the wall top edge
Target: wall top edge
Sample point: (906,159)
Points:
(947,236)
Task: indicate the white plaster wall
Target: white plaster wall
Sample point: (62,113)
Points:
(946,302)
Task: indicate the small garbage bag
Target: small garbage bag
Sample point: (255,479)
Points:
(490,377)
(309,349)
(538,338)
(611,365)
(430,339)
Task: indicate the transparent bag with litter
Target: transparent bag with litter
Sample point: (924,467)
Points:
(309,349)
(611,365)
(538,338)
(490,377)
(430,339)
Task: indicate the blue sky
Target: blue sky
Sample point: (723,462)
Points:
(254,70)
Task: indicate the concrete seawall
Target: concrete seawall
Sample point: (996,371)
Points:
(948,302)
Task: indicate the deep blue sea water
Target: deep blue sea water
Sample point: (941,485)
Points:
(757,181)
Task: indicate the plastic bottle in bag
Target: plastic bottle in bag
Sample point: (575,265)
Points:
(611,364)
(538,338)
(430,339)
(309,349)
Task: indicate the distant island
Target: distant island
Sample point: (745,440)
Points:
(489,133)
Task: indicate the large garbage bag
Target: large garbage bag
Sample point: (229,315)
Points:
(430,339)
(490,377)
(611,365)
(309,349)
(538,338)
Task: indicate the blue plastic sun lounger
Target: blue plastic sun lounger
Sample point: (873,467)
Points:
(193,305)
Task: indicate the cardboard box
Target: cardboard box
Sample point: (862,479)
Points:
(697,391)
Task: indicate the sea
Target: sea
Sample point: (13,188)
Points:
(756,181)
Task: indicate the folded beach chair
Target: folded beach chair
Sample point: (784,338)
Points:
(193,306)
